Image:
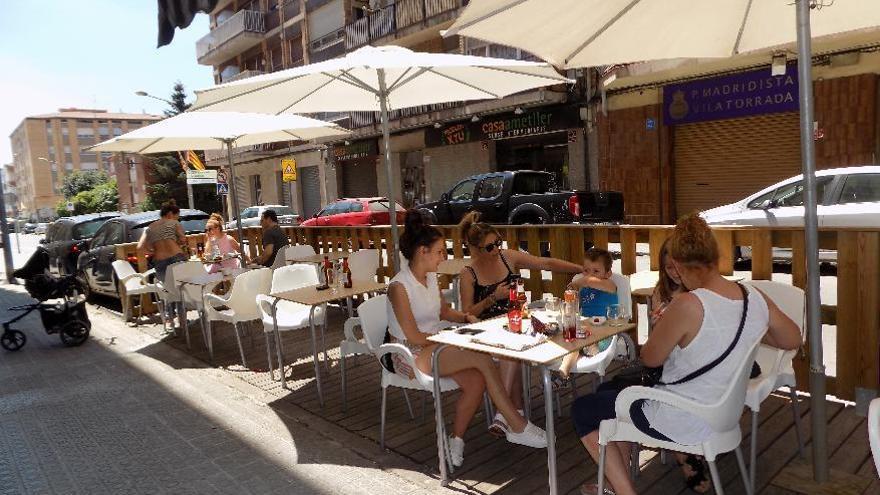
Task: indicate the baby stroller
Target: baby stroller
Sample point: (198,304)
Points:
(66,317)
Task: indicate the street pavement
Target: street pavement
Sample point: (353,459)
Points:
(125,413)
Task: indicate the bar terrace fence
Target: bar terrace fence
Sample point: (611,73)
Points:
(856,314)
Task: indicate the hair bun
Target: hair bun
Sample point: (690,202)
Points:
(413,220)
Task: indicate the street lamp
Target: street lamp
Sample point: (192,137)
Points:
(148,95)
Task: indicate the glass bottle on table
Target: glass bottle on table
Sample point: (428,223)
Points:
(346,274)
(570,315)
(522,299)
(514,313)
(326,272)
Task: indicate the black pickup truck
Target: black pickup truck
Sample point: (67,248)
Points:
(522,197)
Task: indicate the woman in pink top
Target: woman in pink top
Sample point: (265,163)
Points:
(225,244)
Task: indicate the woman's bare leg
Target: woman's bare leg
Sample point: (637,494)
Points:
(616,471)
(452,360)
(472,385)
(511,377)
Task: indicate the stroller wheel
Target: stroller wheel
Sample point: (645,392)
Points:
(13,340)
(74,333)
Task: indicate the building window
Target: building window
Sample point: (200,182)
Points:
(68,166)
(88,166)
(117,131)
(256,190)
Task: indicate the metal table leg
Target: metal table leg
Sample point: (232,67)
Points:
(438,415)
(181,315)
(526,390)
(551,429)
(315,355)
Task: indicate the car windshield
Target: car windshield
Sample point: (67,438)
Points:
(86,230)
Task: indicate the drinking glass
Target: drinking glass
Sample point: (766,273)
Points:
(615,315)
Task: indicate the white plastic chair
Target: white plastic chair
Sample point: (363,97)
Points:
(240,303)
(135,285)
(280,258)
(364,264)
(297,251)
(723,417)
(776,366)
(374,322)
(169,291)
(621,344)
(290,315)
(874,432)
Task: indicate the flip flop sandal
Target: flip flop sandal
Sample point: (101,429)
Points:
(593,489)
(699,477)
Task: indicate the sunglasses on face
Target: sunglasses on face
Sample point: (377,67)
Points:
(491,247)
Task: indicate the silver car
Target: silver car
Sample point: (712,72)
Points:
(250,217)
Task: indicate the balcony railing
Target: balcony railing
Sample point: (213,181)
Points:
(242,22)
(395,17)
(244,75)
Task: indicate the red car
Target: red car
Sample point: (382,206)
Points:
(355,211)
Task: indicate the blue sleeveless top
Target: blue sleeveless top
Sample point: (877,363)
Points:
(595,302)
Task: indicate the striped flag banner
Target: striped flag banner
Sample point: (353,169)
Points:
(194,160)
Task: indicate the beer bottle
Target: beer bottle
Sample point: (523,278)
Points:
(346,274)
(514,313)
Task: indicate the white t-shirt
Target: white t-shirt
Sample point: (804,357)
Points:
(721,317)
(424,302)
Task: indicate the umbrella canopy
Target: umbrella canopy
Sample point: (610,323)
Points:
(352,83)
(591,33)
(379,79)
(208,131)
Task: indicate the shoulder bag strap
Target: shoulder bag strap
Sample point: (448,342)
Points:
(705,369)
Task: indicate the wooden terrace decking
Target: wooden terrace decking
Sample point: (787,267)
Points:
(493,466)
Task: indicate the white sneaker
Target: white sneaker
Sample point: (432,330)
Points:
(499,426)
(531,436)
(456,451)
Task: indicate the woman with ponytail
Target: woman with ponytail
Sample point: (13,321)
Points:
(484,289)
(416,310)
(695,329)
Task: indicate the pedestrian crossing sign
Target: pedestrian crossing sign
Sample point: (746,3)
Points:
(288,170)
(222,188)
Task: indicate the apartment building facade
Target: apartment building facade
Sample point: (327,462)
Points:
(48,147)
(543,128)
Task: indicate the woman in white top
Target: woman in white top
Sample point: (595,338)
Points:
(416,310)
(697,327)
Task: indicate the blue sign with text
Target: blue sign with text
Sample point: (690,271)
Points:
(737,95)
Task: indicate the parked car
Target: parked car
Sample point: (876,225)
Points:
(250,217)
(356,211)
(846,197)
(523,197)
(94,265)
(41,228)
(29,228)
(64,237)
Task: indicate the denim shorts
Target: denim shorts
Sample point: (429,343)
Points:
(162,265)
(590,410)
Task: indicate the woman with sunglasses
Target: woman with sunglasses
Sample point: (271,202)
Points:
(485,286)
(225,245)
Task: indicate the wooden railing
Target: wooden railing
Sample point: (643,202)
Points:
(856,313)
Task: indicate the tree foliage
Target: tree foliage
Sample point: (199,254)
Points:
(82,180)
(102,197)
(178,100)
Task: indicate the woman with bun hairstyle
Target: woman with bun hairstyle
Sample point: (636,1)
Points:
(484,287)
(225,244)
(694,330)
(416,310)
(165,240)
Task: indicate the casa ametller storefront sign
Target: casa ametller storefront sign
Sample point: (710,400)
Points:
(737,95)
(504,126)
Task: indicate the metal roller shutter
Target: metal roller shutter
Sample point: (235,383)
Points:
(723,161)
(311,190)
(358,178)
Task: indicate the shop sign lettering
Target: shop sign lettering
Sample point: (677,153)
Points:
(732,96)
(505,126)
(355,150)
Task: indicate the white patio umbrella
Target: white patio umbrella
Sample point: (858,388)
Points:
(589,33)
(216,130)
(379,79)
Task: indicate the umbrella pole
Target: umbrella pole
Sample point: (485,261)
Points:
(386,140)
(811,234)
(232,189)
